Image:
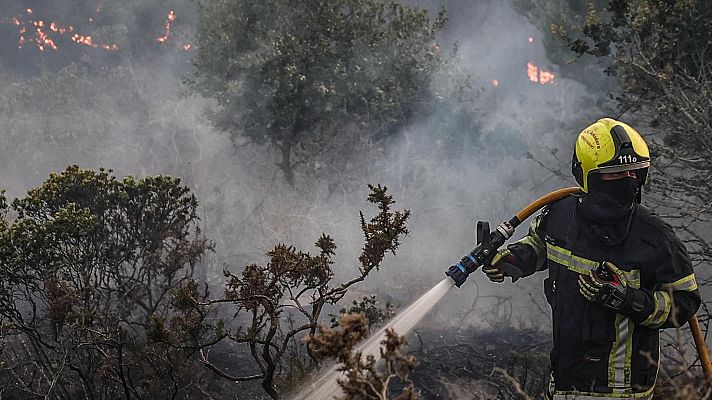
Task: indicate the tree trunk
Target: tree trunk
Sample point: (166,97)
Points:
(268,386)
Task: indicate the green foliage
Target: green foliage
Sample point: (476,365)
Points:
(89,270)
(97,295)
(545,13)
(659,51)
(383,231)
(651,42)
(295,286)
(671,34)
(304,75)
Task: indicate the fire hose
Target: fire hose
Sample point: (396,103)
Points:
(488,243)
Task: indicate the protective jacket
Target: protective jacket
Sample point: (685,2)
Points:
(598,352)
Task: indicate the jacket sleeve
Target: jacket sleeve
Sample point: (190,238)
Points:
(673,296)
(530,251)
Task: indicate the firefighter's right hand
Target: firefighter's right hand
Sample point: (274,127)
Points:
(493,269)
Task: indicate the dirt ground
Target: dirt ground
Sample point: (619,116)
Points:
(462,365)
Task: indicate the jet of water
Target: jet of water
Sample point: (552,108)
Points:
(325,386)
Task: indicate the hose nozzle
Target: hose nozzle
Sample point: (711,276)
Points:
(458,274)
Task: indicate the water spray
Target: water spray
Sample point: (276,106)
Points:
(326,386)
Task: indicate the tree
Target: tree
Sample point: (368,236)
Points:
(302,76)
(658,49)
(88,270)
(296,285)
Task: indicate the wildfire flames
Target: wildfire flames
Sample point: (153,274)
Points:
(38,32)
(164,38)
(43,33)
(539,75)
(534,73)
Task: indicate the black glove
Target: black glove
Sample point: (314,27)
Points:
(493,273)
(605,286)
(504,263)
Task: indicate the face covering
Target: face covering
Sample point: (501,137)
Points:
(621,192)
(608,208)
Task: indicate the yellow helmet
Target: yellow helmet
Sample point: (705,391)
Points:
(609,146)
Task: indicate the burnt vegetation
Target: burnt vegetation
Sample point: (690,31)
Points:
(105,291)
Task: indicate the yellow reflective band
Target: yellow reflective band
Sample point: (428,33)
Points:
(660,313)
(585,266)
(686,284)
(574,263)
(621,352)
(632,278)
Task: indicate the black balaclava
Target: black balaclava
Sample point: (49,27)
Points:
(608,208)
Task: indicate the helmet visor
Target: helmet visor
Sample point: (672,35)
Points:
(620,168)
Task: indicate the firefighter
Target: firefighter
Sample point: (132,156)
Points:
(617,273)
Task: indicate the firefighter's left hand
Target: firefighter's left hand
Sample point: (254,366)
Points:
(605,286)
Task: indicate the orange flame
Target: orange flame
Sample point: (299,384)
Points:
(546,77)
(43,29)
(531,39)
(164,38)
(21,40)
(532,72)
(42,38)
(539,76)
(494,82)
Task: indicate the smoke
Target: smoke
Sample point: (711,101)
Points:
(130,111)
(527,133)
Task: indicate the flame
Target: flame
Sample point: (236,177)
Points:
(532,72)
(42,30)
(86,40)
(164,38)
(42,39)
(46,32)
(494,82)
(537,75)
(546,77)
(21,41)
(531,39)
